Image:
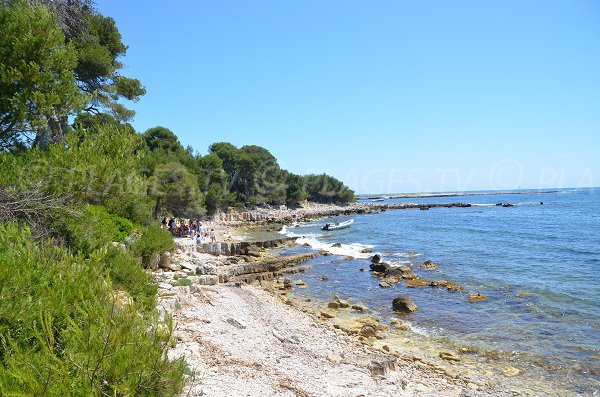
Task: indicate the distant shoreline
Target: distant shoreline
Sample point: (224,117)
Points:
(449,194)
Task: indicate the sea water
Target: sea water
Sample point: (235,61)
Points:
(538,264)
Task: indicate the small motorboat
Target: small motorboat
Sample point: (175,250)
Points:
(338,225)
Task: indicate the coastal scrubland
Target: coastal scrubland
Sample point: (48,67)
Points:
(80,192)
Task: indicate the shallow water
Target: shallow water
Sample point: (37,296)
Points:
(550,251)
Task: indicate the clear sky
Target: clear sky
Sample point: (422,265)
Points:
(389,96)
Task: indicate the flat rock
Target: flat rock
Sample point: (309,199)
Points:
(477,297)
(448,356)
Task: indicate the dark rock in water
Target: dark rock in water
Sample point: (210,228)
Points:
(429,265)
(396,271)
(380,267)
(366,251)
(404,304)
(376,258)
(508,205)
(541,203)
(337,245)
(498,204)
(424,208)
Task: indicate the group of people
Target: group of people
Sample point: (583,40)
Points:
(192,229)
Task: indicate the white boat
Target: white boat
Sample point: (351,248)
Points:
(337,226)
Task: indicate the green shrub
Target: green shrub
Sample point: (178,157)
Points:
(65,332)
(95,229)
(152,240)
(127,275)
(183,282)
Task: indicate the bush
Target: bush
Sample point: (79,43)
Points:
(152,240)
(95,229)
(183,282)
(65,331)
(127,275)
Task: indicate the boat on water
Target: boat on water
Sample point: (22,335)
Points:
(338,225)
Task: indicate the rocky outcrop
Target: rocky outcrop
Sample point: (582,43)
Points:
(429,265)
(240,248)
(477,297)
(259,271)
(404,304)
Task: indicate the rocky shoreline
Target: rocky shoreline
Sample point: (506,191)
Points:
(311,211)
(235,323)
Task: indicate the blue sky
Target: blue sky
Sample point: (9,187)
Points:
(389,96)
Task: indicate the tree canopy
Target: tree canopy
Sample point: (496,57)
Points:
(57,58)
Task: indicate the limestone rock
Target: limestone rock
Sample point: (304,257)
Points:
(396,271)
(154,262)
(174,267)
(343,303)
(453,287)
(404,304)
(511,371)
(368,331)
(477,297)
(333,305)
(333,358)
(399,325)
(429,265)
(418,283)
(165,259)
(360,308)
(448,356)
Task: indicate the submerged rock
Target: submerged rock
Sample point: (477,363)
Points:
(368,331)
(404,304)
(399,325)
(429,265)
(448,356)
(343,303)
(453,287)
(418,283)
(477,297)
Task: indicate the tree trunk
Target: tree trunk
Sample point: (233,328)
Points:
(55,132)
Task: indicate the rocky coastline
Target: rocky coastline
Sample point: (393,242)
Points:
(311,211)
(235,321)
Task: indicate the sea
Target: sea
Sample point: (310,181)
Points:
(537,262)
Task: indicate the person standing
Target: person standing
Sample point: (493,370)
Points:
(213,236)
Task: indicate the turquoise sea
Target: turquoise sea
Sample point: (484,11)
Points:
(549,252)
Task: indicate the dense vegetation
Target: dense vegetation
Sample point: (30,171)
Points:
(77,312)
